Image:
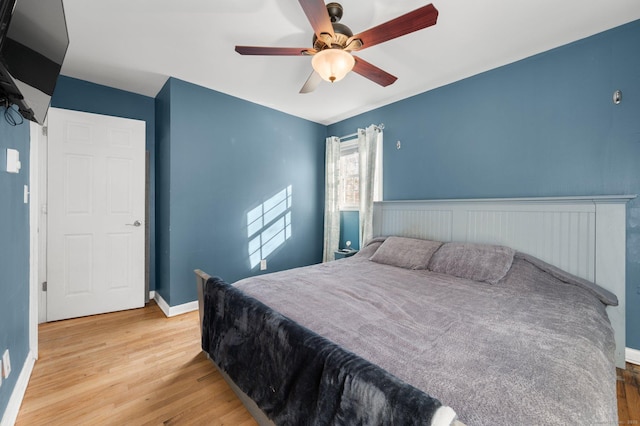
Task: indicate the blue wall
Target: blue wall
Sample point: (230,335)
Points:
(218,158)
(543,126)
(349,229)
(14,255)
(80,95)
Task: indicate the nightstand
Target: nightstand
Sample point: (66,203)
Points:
(341,254)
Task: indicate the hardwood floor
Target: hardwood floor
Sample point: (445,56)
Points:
(628,388)
(134,367)
(140,368)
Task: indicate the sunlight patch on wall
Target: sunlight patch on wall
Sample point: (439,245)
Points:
(269,226)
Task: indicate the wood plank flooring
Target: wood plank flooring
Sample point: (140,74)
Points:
(140,368)
(134,367)
(628,387)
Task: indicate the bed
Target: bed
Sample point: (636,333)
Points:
(452,318)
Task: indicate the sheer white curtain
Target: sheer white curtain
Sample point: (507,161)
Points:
(331,199)
(370,151)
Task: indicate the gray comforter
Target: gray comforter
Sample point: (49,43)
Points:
(536,348)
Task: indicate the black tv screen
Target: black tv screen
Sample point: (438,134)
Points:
(33,43)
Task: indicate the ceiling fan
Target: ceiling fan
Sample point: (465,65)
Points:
(333,43)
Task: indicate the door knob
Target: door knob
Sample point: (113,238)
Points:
(136,223)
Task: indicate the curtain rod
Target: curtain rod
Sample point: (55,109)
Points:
(379,127)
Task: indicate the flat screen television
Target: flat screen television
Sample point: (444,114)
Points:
(33,43)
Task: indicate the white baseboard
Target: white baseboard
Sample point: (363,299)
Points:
(632,355)
(171,311)
(15,401)
(152,295)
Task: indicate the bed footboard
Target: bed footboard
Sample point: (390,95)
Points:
(201,280)
(261,418)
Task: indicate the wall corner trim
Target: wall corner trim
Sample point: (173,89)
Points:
(632,355)
(15,401)
(172,311)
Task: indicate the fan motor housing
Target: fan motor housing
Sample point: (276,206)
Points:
(342,33)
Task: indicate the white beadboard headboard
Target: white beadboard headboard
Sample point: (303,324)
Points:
(582,235)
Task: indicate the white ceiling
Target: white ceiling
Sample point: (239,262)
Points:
(135,45)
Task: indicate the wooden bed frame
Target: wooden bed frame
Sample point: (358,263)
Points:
(585,236)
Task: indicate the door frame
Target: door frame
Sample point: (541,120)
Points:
(36,135)
(41,212)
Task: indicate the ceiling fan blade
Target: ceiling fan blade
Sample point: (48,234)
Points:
(312,83)
(274,51)
(423,17)
(318,16)
(373,73)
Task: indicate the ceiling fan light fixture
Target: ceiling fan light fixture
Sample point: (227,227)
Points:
(332,64)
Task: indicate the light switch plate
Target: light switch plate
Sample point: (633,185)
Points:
(13,161)
(6,364)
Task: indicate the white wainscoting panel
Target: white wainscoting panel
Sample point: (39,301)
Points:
(563,238)
(582,235)
(429,224)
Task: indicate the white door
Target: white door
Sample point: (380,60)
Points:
(96,202)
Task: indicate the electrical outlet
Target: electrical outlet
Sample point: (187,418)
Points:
(6,364)
(263,264)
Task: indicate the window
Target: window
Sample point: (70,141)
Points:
(349,190)
(349,176)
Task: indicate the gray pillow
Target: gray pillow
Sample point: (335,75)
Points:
(408,253)
(370,247)
(478,262)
